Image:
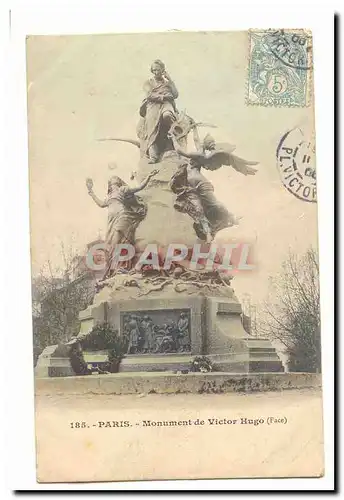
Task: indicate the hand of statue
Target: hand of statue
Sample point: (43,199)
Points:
(153,173)
(89,184)
(166,75)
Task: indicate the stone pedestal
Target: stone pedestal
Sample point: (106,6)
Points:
(163,224)
(213,312)
(50,365)
(215,326)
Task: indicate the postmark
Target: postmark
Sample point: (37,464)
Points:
(280,68)
(293,48)
(296,164)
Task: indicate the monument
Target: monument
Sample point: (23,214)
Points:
(171,314)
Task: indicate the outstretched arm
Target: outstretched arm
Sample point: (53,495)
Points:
(98,201)
(143,184)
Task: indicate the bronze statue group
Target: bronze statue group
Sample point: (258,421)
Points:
(162,130)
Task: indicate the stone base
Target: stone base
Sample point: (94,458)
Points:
(156,363)
(50,366)
(170,383)
(256,359)
(216,329)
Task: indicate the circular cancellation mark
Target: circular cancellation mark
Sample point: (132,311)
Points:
(292,48)
(296,165)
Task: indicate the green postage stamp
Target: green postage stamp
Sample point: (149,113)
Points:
(280,63)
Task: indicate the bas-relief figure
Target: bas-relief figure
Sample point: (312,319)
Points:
(146,335)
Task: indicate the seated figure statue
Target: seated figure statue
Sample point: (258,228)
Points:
(158,112)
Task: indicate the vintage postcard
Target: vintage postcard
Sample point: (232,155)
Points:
(174,243)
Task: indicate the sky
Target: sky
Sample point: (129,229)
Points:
(82,88)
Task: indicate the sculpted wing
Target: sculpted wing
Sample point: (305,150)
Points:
(225,146)
(221,156)
(218,158)
(243,166)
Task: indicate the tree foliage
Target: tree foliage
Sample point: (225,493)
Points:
(292,312)
(58,297)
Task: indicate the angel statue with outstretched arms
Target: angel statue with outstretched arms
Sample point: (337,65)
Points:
(195,193)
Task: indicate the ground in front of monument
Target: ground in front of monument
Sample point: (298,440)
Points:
(126,430)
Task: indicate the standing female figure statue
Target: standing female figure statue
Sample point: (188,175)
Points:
(158,112)
(125,212)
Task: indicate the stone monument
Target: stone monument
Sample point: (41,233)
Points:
(170,315)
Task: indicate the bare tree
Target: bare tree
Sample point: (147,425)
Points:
(58,296)
(291,315)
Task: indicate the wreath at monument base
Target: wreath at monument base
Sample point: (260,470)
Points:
(201,364)
(101,337)
(77,361)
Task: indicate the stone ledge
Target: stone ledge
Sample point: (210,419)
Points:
(171,383)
